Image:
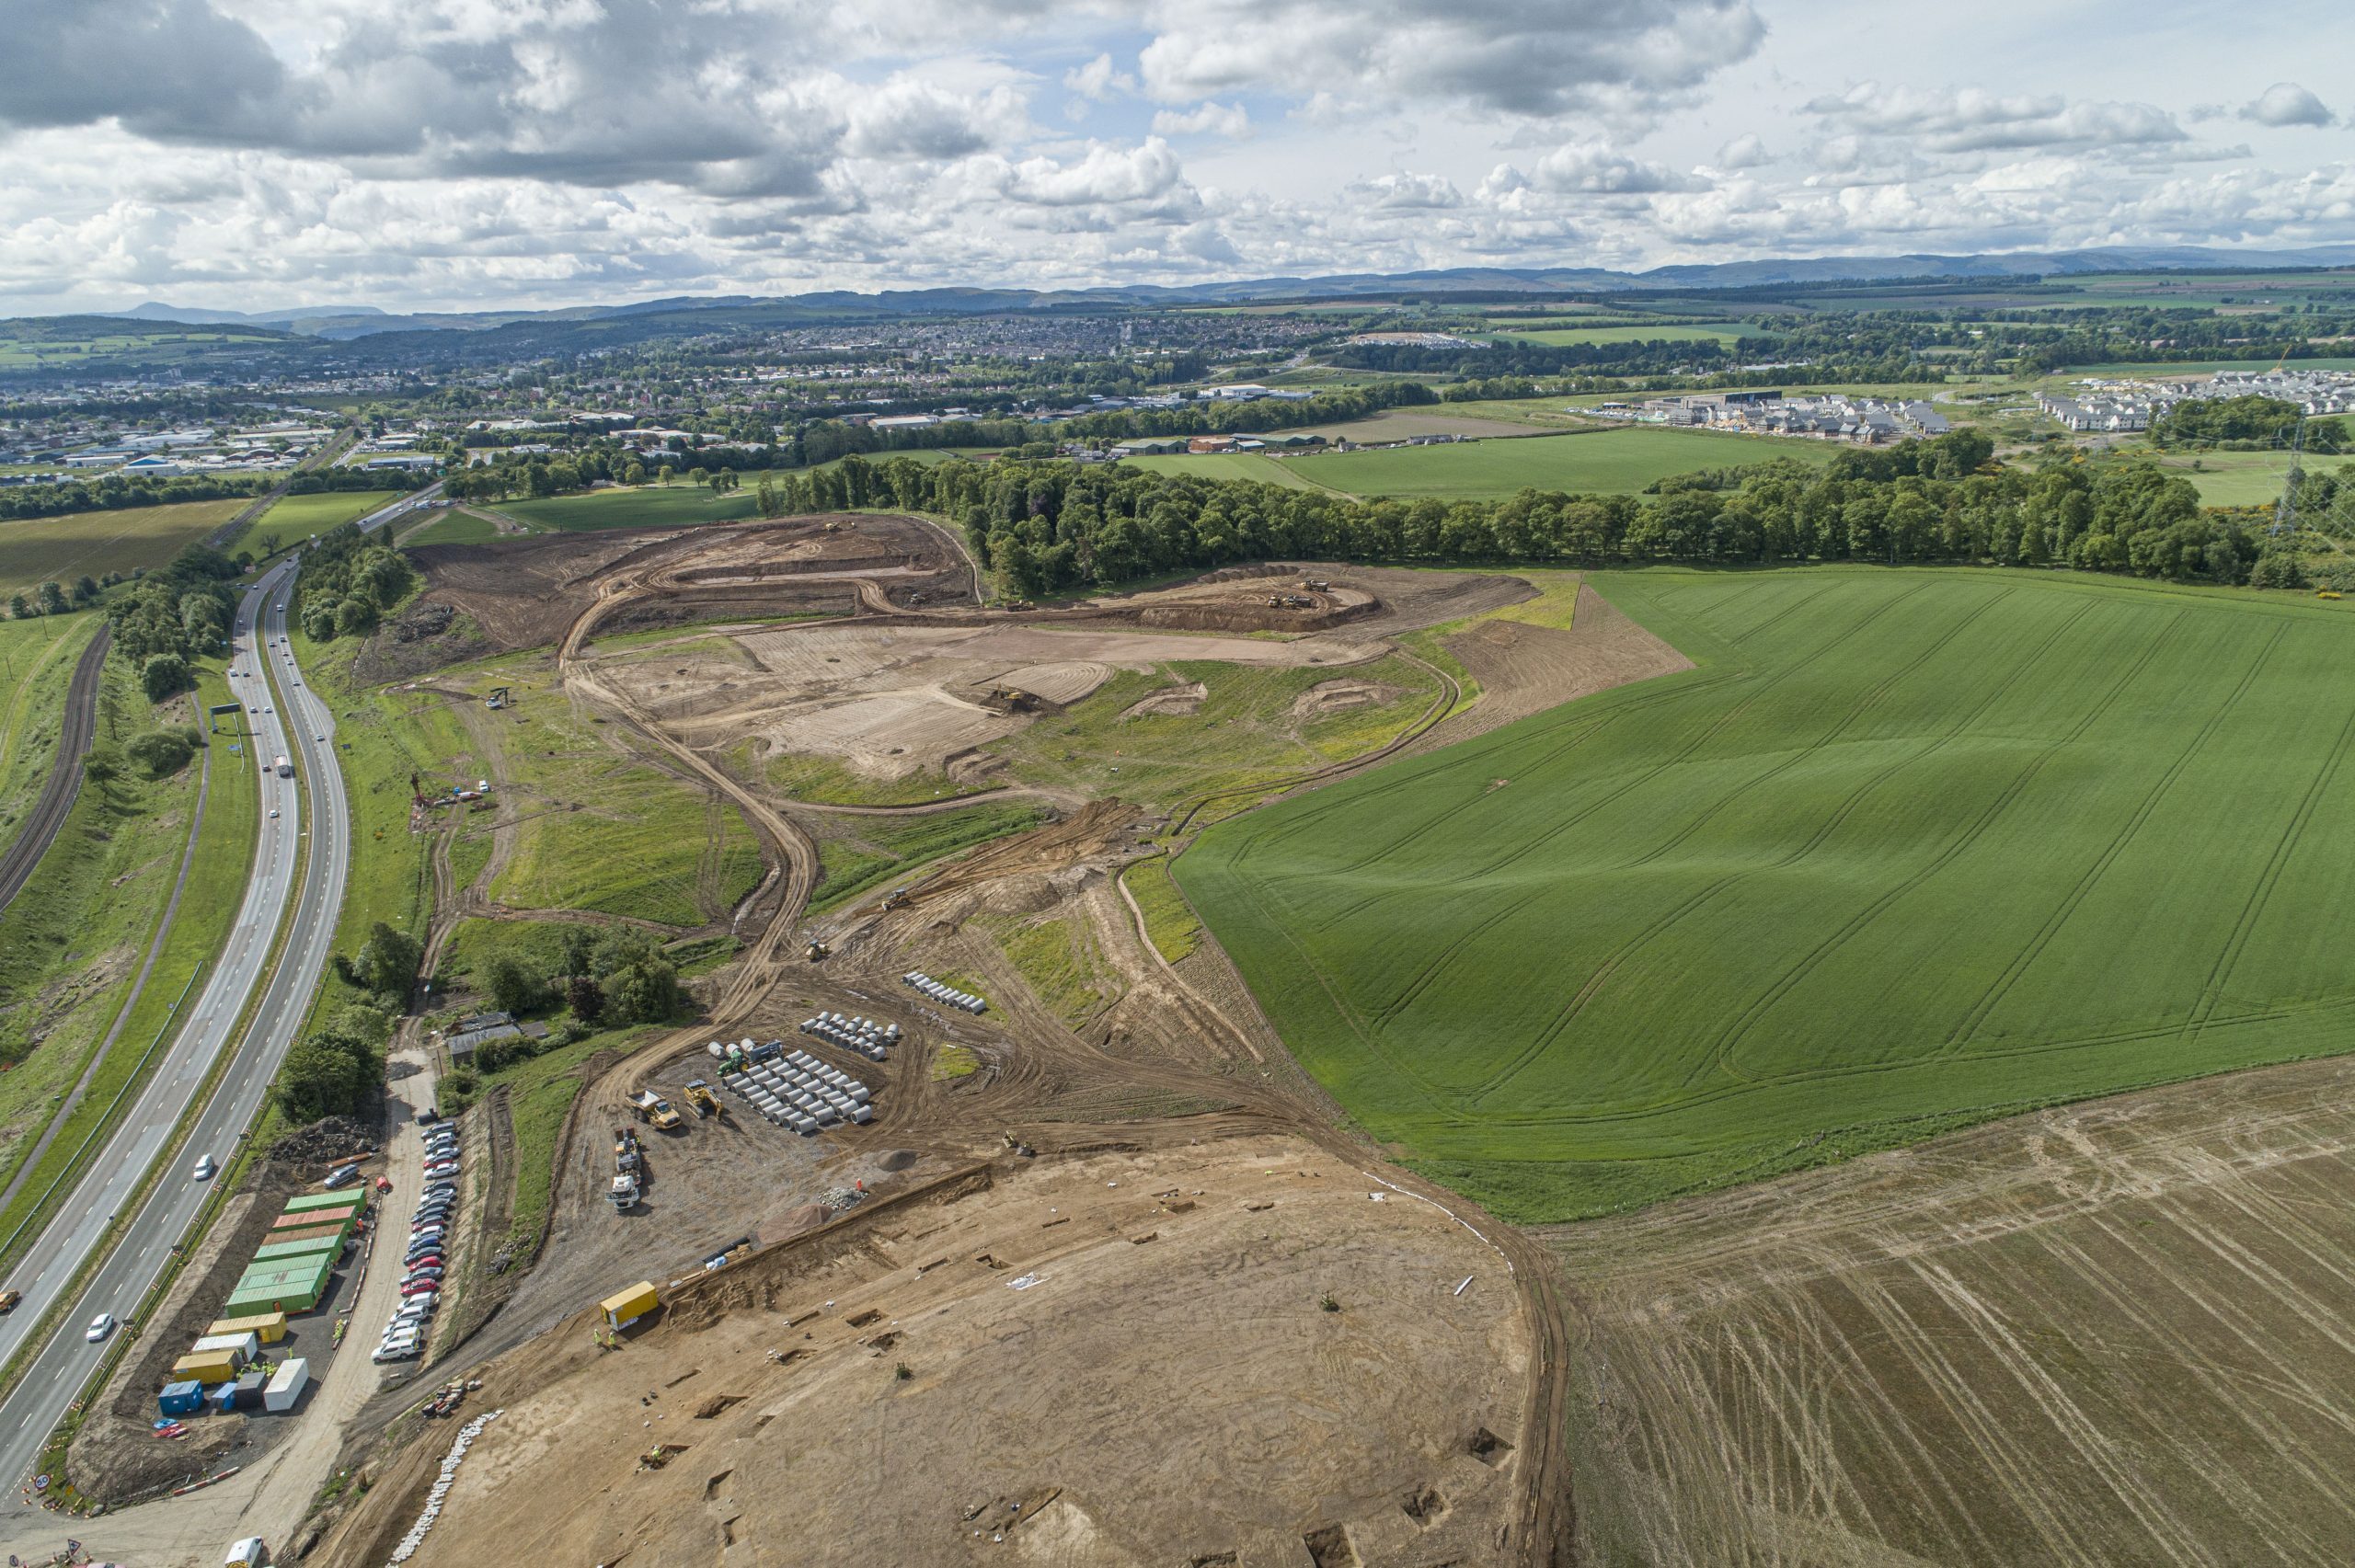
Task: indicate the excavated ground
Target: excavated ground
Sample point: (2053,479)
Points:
(1175,1343)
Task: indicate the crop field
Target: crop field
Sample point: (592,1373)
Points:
(1616,461)
(58,549)
(1904,851)
(297,517)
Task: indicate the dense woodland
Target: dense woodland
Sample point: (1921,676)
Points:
(1051,526)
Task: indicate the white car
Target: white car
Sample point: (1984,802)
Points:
(396,1351)
(273,811)
(205,1169)
(100,1326)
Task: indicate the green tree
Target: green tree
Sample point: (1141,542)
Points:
(53,599)
(102,766)
(160,752)
(19,608)
(164,675)
(511,987)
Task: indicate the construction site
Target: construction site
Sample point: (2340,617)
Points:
(948,1184)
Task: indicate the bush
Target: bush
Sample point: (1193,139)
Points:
(160,753)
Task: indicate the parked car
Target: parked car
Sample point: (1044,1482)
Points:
(426,1115)
(342,1175)
(100,1326)
(421,1287)
(405,1350)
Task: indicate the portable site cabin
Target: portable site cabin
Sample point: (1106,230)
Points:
(223,1398)
(327,1244)
(241,1347)
(249,1391)
(207,1369)
(627,1307)
(184,1398)
(311,1220)
(287,1386)
(270,1326)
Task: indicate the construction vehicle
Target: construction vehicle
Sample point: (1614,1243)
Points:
(625,1150)
(1290,601)
(1316,584)
(895,898)
(816,950)
(700,1099)
(622,1193)
(655,1111)
(1013,697)
(1020,1148)
(2328,593)
(497,698)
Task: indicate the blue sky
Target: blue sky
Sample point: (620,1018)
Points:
(458,153)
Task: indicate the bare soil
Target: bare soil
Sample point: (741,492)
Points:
(1525,669)
(2112,1333)
(1038,1311)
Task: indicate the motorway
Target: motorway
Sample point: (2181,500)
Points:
(295,723)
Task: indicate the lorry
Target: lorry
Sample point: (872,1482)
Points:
(622,1193)
(655,1111)
(284,769)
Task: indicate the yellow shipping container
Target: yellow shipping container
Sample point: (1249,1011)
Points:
(270,1326)
(221,1367)
(627,1307)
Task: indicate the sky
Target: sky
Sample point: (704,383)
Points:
(457,154)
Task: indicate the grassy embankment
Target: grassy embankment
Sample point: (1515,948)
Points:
(76,936)
(37,658)
(1906,850)
(1169,921)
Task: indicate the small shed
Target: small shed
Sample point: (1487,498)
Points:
(247,1391)
(184,1398)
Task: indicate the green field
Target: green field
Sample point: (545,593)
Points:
(1612,461)
(297,517)
(1246,465)
(859,853)
(2242,478)
(58,549)
(1726,332)
(36,660)
(1904,851)
(455,527)
(648,505)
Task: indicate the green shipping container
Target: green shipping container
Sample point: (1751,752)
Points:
(330,1244)
(270,1289)
(309,1201)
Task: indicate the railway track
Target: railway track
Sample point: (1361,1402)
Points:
(63,786)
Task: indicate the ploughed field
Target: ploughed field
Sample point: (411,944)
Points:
(1906,849)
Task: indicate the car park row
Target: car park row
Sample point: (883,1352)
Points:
(423,1265)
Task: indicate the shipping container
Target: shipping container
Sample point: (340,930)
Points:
(185,1398)
(287,1387)
(328,1244)
(213,1368)
(249,1391)
(270,1326)
(338,1201)
(627,1307)
(244,1349)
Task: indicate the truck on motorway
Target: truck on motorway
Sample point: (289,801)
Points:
(285,769)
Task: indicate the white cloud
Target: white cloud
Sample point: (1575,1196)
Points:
(1229,121)
(1408,192)
(1592,168)
(1746,152)
(1098,80)
(1974,120)
(2286,103)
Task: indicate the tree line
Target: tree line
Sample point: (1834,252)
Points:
(112,492)
(1053,526)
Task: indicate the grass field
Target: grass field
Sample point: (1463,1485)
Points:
(1726,332)
(860,853)
(1616,461)
(1250,728)
(58,549)
(1169,923)
(37,658)
(457,528)
(648,505)
(1246,465)
(1904,851)
(2242,478)
(297,517)
(596,826)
